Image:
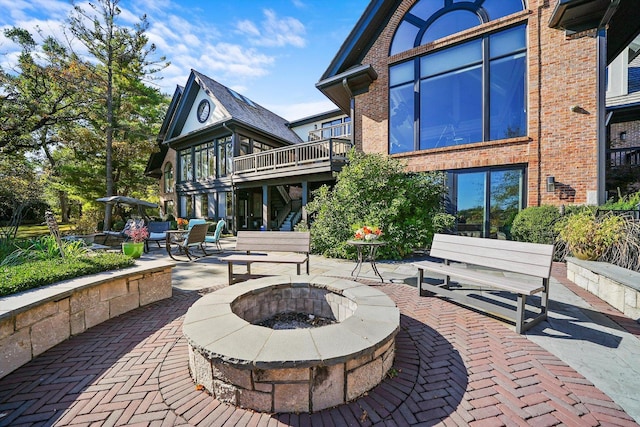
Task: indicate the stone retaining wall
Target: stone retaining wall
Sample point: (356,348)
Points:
(615,285)
(32,322)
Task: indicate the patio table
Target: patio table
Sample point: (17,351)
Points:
(367,251)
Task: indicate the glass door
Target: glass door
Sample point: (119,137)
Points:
(487,201)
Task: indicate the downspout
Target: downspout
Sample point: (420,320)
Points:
(233,187)
(601,76)
(352,107)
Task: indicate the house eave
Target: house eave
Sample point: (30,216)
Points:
(341,87)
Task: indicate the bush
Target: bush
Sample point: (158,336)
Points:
(629,202)
(375,190)
(536,224)
(588,237)
(18,278)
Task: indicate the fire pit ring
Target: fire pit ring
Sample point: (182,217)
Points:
(291,370)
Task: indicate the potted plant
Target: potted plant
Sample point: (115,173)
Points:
(85,229)
(588,237)
(138,234)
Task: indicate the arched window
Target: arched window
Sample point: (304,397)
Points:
(469,92)
(168,178)
(430,20)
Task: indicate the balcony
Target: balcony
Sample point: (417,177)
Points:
(325,156)
(628,156)
(340,130)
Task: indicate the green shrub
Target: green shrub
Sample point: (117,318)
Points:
(536,224)
(588,236)
(29,275)
(375,190)
(43,248)
(631,201)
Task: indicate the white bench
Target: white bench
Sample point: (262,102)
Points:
(533,261)
(267,242)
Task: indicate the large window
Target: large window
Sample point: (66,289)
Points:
(168,178)
(471,92)
(186,165)
(205,161)
(225,157)
(486,201)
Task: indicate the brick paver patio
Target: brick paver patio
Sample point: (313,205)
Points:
(453,367)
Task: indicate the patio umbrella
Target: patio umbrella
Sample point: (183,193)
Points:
(129,201)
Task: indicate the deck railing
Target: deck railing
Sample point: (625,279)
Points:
(628,156)
(294,156)
(341,130)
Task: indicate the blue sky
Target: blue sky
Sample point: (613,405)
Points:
(271,51)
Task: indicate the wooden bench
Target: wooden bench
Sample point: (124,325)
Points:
(267,242)
(533,261)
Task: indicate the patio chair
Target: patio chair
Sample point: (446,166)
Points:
(157,233)
(194,221)
(123,234)
(193,239)
(216,235)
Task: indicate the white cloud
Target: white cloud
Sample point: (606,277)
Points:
(274,31)
(299,4)
(247,27)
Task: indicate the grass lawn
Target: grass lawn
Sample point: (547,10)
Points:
(32,231)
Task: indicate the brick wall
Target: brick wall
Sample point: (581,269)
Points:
(561,142)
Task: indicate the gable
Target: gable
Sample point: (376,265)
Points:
(216,113)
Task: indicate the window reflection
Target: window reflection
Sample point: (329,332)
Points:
(488,201)
(451,109)
(429,20)
(462,97)
(470,202)
(451,23)
(508,115)
(168,178)
(401,114)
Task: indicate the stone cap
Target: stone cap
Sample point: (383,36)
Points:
(212,328)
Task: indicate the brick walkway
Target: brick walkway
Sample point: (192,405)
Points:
(453,365)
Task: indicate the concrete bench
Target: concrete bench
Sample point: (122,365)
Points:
(266,243)
(531,260)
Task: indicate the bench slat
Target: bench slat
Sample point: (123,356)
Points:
(291,259)
(273,241)
(516,285)
(517,257)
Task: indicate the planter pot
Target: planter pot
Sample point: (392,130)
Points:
(132,249)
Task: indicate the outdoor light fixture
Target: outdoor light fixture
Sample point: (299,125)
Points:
(551,184)
(623,136)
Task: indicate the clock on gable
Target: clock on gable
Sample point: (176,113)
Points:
(204,108)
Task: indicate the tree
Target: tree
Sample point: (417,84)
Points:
(374,190)
(19,189)
(47,87)
(122,61)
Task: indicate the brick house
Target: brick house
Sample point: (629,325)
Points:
(505,96)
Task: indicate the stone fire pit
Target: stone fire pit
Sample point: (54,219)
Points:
(291,370)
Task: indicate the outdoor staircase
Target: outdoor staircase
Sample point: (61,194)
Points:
(291,220)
